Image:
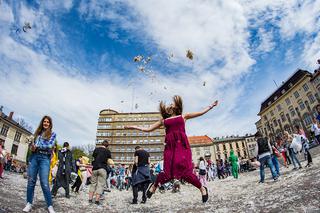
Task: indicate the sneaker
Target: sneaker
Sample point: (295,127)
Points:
(275,179)
(97,203)
(50,209)
(90,201)
(143,201)
(261,181)
(300,167)
(27,208)
(295,168)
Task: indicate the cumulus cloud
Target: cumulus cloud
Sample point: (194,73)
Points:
(218,32)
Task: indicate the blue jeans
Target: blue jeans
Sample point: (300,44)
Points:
(39,164)
(263,161)
(276,164)
(294,159)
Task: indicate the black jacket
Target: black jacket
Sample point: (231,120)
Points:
(65,167)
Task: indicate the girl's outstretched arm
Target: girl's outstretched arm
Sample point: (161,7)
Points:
(154,126)
(197,114)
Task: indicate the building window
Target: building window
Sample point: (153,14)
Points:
(243,144)
(275,123)
(218,149)
(105,119)
(4,130)
(311,98)
(271,112)
(265,117)
(14,149)
(292,112)
(237,145)
(307,119)
(283,118)
(279,107)
(219,156)
(224,147)
(305,87)
(230,146)
(301,105)
(239,154)
(17,136)
(296,94)
(288,102)
(225,156)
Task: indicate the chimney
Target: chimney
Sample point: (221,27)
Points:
(10,115)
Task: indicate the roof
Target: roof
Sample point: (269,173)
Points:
(13,122)
(111,111)
(294,79)
(200,140)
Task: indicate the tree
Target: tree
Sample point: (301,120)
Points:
(24,124)
(77,152)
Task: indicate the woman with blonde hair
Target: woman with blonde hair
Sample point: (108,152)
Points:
(39,162)
(177,155)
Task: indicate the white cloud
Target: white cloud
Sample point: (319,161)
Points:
(216,31)
(6,14)
(311,52)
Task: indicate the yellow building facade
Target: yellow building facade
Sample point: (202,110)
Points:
(123,141)
(238,144)
(293,103)
(202,146)
(14,137)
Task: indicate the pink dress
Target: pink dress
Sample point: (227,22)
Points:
(177,157)
(177,153)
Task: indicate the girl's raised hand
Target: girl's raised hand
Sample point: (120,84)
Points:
(214,104)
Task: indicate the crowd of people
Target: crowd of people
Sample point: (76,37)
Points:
(57,168)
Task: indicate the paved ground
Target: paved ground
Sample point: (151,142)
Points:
(297,191)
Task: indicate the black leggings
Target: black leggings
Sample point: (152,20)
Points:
(77,184)
(309,158)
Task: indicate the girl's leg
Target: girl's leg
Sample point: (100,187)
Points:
(309,157)
(1,169)
(44,169)
(84,180)
(162,178)
(32,177)
(192,179)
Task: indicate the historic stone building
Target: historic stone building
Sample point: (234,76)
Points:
(14,137)
(122,141)
(294,102)
(251,145)
(202,146)
(238,144)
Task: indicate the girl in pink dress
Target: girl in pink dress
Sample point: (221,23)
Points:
(177,155)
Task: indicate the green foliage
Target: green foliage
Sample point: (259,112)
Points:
(77,152)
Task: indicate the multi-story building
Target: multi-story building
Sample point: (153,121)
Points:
(293,103)
(251,145)
(224,145)
(123,141)
(14,137)
(202,146)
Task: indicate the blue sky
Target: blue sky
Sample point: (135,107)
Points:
(78,59)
